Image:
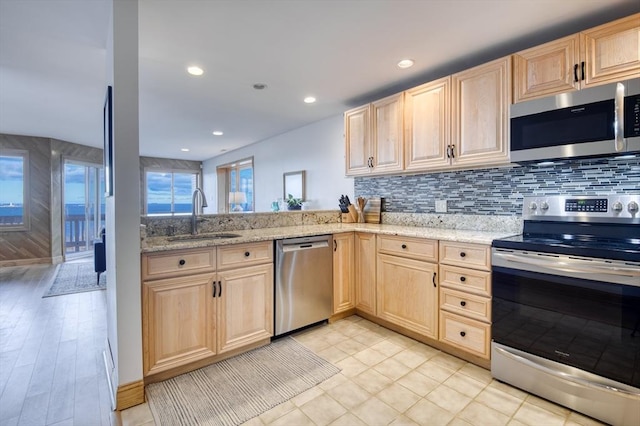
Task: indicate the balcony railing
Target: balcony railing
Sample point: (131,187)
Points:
(75,226)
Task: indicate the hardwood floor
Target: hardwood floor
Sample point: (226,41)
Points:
(51,366)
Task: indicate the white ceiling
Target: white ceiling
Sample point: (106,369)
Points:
(52,60)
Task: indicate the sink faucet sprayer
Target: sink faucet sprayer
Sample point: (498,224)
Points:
(194,221)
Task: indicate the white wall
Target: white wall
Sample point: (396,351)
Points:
(317,148)
(124,304)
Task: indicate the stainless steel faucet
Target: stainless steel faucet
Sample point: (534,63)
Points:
(194,219)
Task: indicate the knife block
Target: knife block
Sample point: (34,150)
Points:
(350,217)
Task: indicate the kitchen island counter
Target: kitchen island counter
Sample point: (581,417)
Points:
(157,244)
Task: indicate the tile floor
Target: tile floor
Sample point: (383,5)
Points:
(389,379)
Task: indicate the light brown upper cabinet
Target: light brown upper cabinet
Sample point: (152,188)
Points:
(604,54)
(427,112)
(374,137)
(480,115)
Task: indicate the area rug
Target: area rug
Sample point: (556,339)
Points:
(75,277)
(235,390)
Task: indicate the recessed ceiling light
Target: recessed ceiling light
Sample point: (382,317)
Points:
(309,100)
(184,149)
(259,86)
(405,63)
(218,133)
(193,70)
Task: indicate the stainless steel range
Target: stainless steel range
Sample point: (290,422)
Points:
(566,304)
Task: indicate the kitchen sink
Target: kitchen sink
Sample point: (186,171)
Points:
(203,237)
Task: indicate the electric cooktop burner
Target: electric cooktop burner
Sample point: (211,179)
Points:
(627,249)
(604,227)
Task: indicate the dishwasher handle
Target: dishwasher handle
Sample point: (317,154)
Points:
(286,248)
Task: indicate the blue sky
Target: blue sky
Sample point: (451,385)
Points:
(159,187)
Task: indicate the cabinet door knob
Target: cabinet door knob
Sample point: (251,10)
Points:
(462,254)
(182,262)
(463,279)
(463,303)
(247,254)
(462,333)
(404,246)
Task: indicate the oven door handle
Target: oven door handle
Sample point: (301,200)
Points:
(577,380)
(582,269)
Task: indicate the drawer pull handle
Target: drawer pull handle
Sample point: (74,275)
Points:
(463,303)
(247,254)
(462,333)
(219,288)
(462,254)
(214,289)
(434,279)
(182,262)
(404,246)
(463,279)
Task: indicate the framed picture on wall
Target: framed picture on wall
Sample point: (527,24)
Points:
(107,121)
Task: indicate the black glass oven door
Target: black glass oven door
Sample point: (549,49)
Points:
(591,325)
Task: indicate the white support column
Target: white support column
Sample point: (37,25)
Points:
(124,317)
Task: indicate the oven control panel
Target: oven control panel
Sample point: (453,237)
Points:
(599,205)
(588,208)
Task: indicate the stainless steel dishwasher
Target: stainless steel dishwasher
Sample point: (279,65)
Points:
(304,282)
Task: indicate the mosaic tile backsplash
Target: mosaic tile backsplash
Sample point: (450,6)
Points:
(499,191)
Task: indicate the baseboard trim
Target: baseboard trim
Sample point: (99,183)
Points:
(130,395)
(108,366)
(25,262)
(341,315)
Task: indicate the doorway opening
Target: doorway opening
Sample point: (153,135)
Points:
(84,207)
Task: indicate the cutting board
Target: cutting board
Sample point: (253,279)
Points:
(372,210)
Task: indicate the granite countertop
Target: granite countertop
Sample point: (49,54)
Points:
(157,244)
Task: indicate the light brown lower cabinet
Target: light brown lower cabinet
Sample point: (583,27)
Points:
(193,317)
(245,306)
(465,333)
(465,297)
(344,294)
(407,286)
(179,323)
(365,272)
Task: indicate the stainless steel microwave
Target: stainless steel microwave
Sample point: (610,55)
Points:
(598,121)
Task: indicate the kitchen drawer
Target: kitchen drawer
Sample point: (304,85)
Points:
(466,304)
(178,263)
(415,248)
(464,333)
(464,279)
(249,254)
(465,254)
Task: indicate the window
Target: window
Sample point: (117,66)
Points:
(169,192)
(235,186)
(14,197)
